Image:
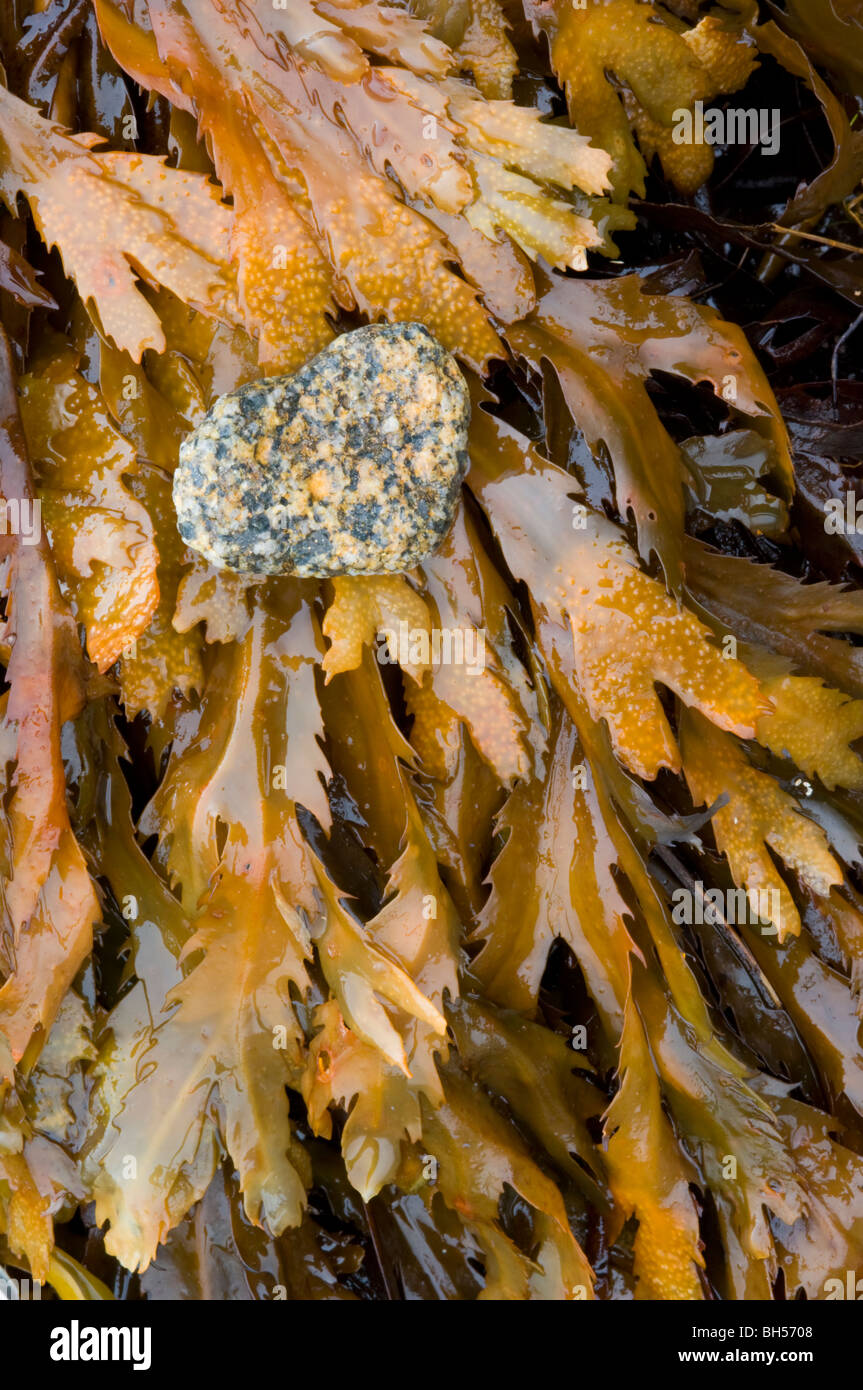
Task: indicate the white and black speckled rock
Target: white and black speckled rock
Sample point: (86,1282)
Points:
(352,466)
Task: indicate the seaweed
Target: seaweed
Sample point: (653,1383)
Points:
(332,969)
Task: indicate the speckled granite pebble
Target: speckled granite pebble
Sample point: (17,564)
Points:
(352,466)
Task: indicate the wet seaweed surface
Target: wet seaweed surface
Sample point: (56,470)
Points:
(520,957)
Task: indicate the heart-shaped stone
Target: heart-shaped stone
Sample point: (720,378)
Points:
(353,465)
